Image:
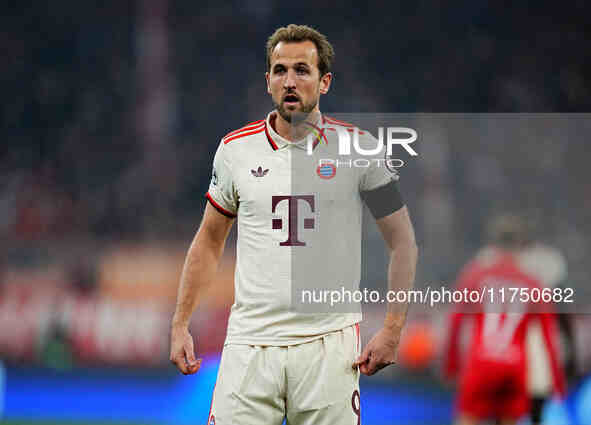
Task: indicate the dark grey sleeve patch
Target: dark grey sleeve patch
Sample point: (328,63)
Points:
(384,200)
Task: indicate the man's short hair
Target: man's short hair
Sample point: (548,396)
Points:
(297,33)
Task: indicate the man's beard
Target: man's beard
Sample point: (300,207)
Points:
(298,116)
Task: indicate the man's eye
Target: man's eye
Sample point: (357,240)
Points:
(279,70)
(302,70)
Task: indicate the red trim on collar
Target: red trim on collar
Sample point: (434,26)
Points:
(269,138)
(274,145)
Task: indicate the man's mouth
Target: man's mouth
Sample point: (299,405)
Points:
(291,100)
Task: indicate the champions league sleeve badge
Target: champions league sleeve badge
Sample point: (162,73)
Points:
(214,177)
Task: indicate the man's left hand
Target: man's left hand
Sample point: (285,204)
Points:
(379,352)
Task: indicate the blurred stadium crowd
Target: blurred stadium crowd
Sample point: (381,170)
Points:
(113,111)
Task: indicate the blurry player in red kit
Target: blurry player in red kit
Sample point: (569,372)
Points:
(492,377)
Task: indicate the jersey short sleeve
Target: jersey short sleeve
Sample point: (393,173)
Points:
(377,174)
(222,190)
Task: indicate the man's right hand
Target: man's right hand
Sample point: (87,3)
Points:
(182,353)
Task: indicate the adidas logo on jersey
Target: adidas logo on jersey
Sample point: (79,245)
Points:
(259,172)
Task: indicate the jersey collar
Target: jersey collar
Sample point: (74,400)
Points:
(277,142)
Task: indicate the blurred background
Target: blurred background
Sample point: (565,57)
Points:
(112,112)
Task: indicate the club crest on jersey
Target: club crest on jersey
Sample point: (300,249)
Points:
(326,171)
(259,172)
(211,420)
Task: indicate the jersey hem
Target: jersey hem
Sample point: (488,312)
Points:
(285,341)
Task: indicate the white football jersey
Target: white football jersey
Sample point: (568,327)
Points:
(299,229)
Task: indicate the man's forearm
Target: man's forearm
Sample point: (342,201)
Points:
(198,273)
(401,276)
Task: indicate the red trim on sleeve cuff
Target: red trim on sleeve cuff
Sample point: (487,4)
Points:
(219,207)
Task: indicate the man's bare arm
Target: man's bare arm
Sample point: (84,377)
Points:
(198,274)
(399,235)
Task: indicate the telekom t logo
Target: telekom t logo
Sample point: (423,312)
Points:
(292,221)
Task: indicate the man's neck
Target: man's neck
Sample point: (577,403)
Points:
(292,132)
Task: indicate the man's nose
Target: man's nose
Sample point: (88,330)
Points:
(290,80)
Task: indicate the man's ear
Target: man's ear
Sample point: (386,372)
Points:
(325,81)
(268,86)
